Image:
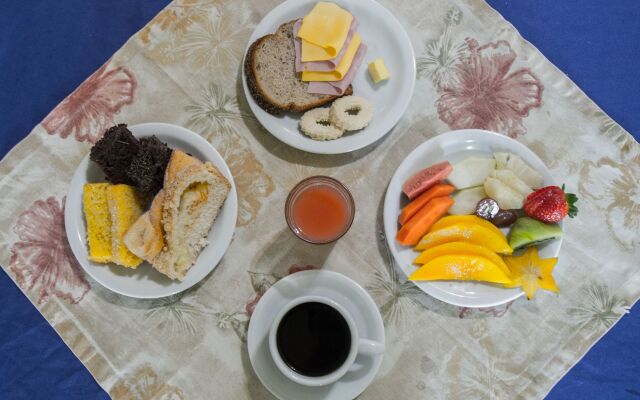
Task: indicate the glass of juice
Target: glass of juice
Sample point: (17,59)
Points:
(319,210)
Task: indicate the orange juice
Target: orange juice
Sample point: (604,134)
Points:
(319,210)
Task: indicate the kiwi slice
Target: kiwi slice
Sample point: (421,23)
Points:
(530,232)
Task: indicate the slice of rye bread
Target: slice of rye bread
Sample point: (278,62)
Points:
(270,70)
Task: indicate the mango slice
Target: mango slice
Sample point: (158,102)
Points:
(464,248)
(473,233)
(461,267)
(467,219)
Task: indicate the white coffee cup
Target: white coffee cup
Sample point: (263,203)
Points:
(358,345)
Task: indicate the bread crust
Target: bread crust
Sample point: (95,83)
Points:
(262,98)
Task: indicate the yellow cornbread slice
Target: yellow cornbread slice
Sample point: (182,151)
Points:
(96,212)
(125,207)
(341,69)
(326,26)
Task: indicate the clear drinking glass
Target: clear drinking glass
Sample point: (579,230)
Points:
(319,210)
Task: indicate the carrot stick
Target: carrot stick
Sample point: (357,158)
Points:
(411,209)
(420,223)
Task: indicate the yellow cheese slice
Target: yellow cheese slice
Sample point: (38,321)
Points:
(313,52)
(326,26)
(341,69)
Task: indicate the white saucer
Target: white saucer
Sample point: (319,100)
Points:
(321,283)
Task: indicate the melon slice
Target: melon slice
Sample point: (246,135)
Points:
(471,172)
(465,200)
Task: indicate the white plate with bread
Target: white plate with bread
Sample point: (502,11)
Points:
(196,174)
(278,97)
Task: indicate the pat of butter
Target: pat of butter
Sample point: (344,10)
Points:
(378,70)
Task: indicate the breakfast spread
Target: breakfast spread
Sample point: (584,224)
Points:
(481,195)
(309,63)
(187,196)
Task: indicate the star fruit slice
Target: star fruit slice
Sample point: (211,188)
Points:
(531,272)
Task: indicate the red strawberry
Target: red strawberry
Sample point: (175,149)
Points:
(550,204)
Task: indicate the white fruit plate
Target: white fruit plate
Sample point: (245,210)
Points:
(453,147)
(385,38)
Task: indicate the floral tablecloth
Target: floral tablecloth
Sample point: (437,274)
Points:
(474,71)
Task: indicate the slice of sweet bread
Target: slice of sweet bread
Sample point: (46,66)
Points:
(174,231)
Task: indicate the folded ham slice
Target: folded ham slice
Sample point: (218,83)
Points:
(337,88)
(321,66)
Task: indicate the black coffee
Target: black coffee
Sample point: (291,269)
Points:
(313,339)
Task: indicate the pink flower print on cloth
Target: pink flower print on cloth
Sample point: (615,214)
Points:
(42,257)
(90,109)
(483,94)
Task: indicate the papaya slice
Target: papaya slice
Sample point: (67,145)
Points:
(416,205)
(420,223)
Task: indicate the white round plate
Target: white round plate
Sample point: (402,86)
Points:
(145,282)
(453,147)
(385,38)
(329,284)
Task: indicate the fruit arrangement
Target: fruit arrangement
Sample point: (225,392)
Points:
(481,219)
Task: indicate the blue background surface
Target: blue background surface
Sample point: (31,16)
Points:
(48,48)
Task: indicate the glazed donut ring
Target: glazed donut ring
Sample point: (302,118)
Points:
(351,113)
(315,124)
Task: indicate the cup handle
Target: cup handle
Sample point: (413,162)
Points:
(366,346)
